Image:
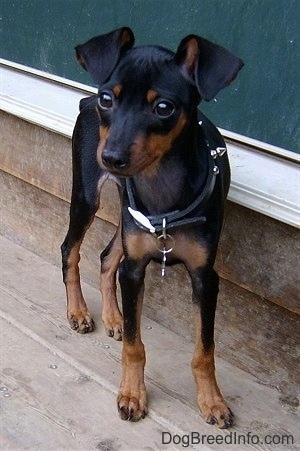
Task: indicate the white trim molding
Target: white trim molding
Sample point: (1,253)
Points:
(264,178)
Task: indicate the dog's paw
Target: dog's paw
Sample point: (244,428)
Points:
(115,332)
(113,325)
(132,408)
(81,321)
(219,415)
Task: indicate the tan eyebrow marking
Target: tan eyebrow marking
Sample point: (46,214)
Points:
(151,95)
(117,90)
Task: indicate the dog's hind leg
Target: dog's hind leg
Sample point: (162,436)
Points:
(110,260)
(88,179)
(82,213)
(87,182)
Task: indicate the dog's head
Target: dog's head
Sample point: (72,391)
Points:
(148,94)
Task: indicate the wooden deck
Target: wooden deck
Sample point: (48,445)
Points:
(58,388)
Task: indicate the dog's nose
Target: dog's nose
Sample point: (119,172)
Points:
(114,159)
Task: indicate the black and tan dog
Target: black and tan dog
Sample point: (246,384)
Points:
(144,131)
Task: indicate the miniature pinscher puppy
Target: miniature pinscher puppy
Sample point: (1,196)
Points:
(144,131)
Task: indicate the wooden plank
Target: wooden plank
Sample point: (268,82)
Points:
(57,406)
(49,166)
(73,405)
(262,255)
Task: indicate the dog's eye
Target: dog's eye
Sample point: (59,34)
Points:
(164,109)
(105,100)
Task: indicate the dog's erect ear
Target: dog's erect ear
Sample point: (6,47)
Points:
(100,55)
(209,65)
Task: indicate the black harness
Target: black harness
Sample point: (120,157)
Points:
(178,218)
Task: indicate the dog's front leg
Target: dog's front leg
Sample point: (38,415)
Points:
(132,398)
(210,400)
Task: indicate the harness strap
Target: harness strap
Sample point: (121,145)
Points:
(179,218)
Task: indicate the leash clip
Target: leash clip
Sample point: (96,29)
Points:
(165,244)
